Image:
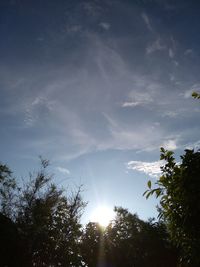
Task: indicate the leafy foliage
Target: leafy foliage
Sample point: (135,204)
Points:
(179,191)
(127,241)
(7,191)
(196,95)
(92,238)
(45,220)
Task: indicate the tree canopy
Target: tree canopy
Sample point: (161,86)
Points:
(128,241)
(179,190)
(39,223)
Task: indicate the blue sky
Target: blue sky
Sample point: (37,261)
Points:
(98,87)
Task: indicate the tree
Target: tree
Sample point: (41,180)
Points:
(123,238)
(7,191)
(139,243)
(127,241)
(179,190)
(46,220)
(92,244)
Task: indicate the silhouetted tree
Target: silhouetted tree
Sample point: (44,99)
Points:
(92,248)
(45,220)
(128,241)
(179,191)
(123,238)
(8,189)
(139,243)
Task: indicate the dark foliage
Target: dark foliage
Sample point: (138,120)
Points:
(128,241)
(39,224)
(179,192)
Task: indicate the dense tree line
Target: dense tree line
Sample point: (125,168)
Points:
(128,241)
(40,226)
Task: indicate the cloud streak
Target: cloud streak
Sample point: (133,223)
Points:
(157,45)
(104,25)
(138,99)
(147,21)
(63,170)
(150,168)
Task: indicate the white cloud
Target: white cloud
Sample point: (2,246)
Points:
(149,168)
(138,99)
(104,25)
(63,170)
(147,21)
(130,104)
(195,145)
(157,45)
(170,144)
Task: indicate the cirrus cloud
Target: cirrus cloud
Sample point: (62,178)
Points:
(63,170)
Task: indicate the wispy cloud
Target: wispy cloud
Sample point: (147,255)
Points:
(170,144)
(194,145)
(147,21)
(171,114)
(92,8)
(39,107)
(63,170)
(73,28)
(171,53)
(188,52)
(149,168)
(138,99)
(130,104)
(157,45)
(104,25)
(108,79)
(140,138)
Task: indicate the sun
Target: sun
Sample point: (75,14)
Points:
(102,215)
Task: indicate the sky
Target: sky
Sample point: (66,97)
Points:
(97,87)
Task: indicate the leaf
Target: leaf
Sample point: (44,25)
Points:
(158,192)
(145,192)
(147,195)
(162,150)
(169,153)
(149,184)
(162,156)
(196,95)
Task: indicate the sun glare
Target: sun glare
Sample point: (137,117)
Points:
(102,215)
